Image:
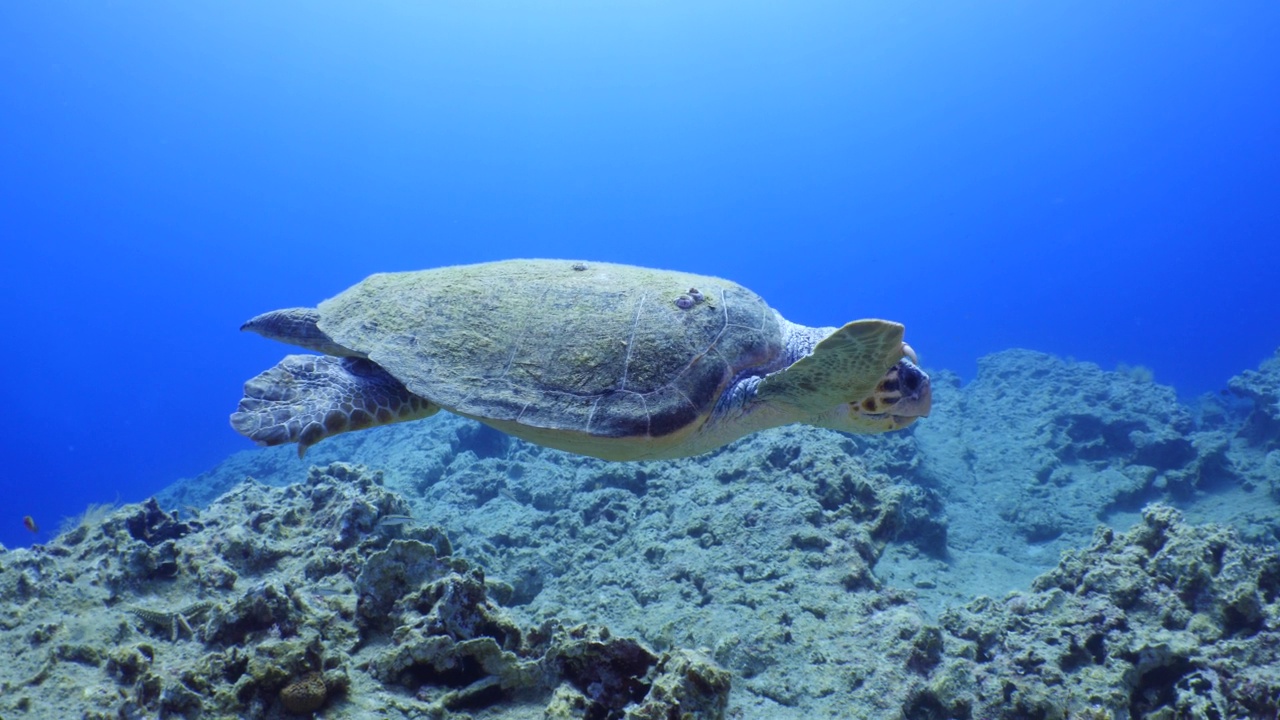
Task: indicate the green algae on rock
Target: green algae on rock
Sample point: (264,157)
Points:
(320,613)
(1165,620)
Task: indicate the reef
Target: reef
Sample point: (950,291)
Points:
(1056,541)
(1261,425)
(1165,620)
(1078,440)
(1037,451)
(279,602)
(1243,427)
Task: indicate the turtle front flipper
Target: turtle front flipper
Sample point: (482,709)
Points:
(863,365)
(307,398)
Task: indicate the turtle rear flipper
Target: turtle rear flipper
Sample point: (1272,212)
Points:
(306,398)
(848,366)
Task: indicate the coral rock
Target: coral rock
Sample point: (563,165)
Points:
(307,695)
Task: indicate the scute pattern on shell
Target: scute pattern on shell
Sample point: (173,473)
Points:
(602,350)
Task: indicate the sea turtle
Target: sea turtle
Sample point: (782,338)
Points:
(611,361)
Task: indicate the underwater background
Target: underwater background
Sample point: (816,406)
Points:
(1073,208)
(1099,181)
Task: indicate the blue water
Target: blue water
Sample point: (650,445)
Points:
(1099,180)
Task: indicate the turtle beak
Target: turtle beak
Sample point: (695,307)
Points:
(917,394)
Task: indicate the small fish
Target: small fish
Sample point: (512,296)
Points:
(29,523)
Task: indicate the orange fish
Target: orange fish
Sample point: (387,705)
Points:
(30,524)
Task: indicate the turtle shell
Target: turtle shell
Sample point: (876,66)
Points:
(608,350)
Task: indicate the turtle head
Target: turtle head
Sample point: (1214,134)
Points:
(901,397)
(859,378)
(903,394)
